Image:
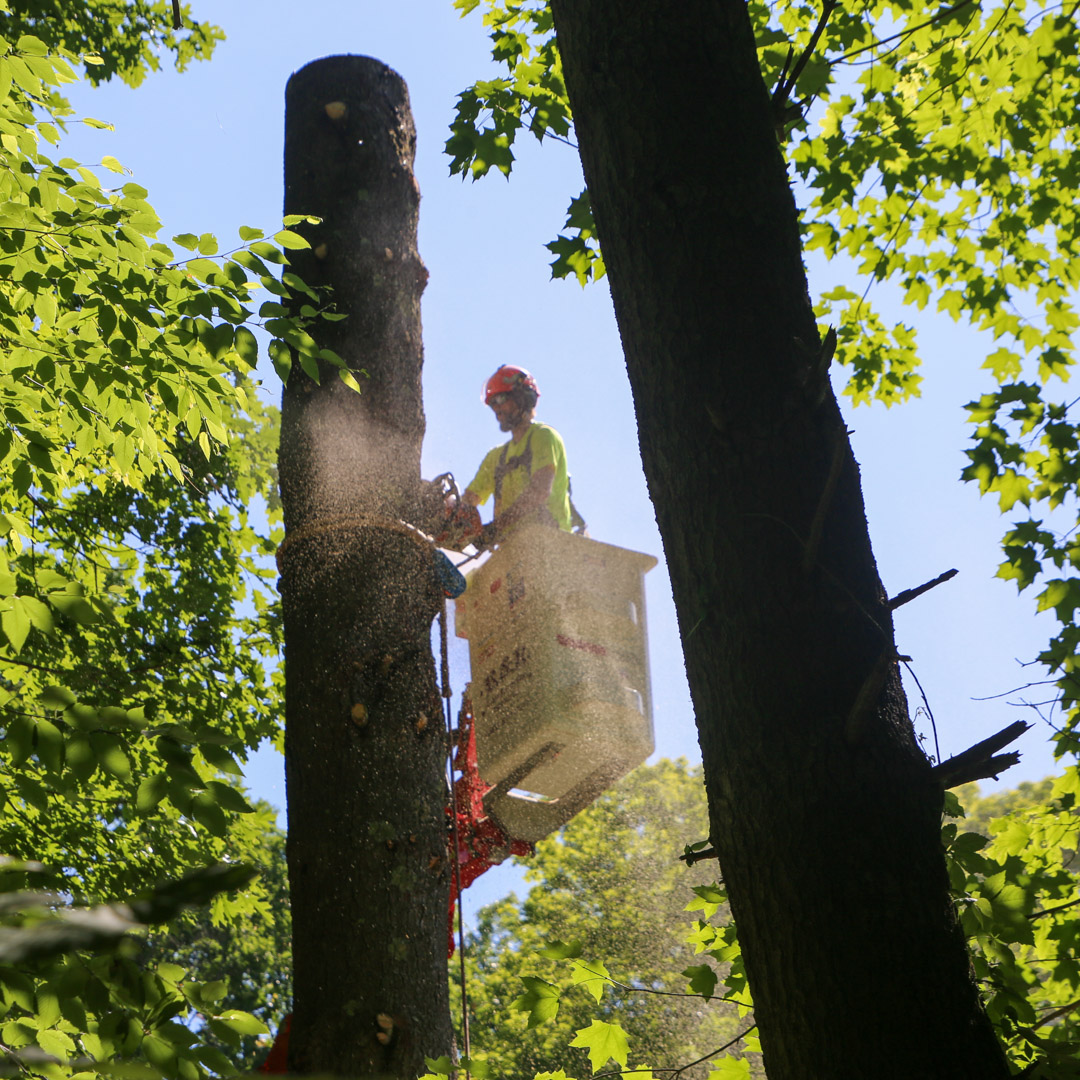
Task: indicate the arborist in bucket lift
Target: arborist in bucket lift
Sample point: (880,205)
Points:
(528,474)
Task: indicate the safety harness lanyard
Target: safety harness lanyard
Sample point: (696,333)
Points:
(522,461)
(444,655)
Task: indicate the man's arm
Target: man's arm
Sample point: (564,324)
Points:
(482,485)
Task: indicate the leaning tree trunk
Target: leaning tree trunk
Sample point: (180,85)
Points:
(822,805)
(363,749)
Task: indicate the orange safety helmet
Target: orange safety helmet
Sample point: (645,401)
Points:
(508,379)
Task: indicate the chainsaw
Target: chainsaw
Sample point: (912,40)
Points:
(451,522)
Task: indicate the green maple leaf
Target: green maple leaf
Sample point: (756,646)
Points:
(540,1001)
(603,1042)
(702,980)
(593,976)
(730,1068)
(561,950)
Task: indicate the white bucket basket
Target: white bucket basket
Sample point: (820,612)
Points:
(560,674)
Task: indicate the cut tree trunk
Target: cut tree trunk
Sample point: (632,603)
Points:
(822,805)
(364,750)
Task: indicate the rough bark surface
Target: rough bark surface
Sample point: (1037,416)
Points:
(363,741)
(821,803)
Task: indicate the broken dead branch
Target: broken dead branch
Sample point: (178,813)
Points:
(691,857)
(911,594)
(982,760)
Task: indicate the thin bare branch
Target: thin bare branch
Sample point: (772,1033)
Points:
(691,857)
(1016,690)
(1053,910)
(926,704)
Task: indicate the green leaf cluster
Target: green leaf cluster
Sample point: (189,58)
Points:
(490,114)
(578,252)
(1015,878)
(112,345)
(75,1001)
(253,968)
(938,166)
(122,38)
(884,363)
(148,673)
(533,96)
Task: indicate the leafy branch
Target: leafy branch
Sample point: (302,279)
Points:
(907,32)
(676,1072)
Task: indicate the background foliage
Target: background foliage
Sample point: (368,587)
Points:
(610,880)
(578,981)
(255,964)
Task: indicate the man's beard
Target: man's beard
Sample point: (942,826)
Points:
(508,423)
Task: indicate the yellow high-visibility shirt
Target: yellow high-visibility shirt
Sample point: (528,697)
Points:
(517,461)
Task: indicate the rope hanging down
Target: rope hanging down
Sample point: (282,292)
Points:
(444,655)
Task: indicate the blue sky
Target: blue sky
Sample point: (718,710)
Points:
(208,147)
